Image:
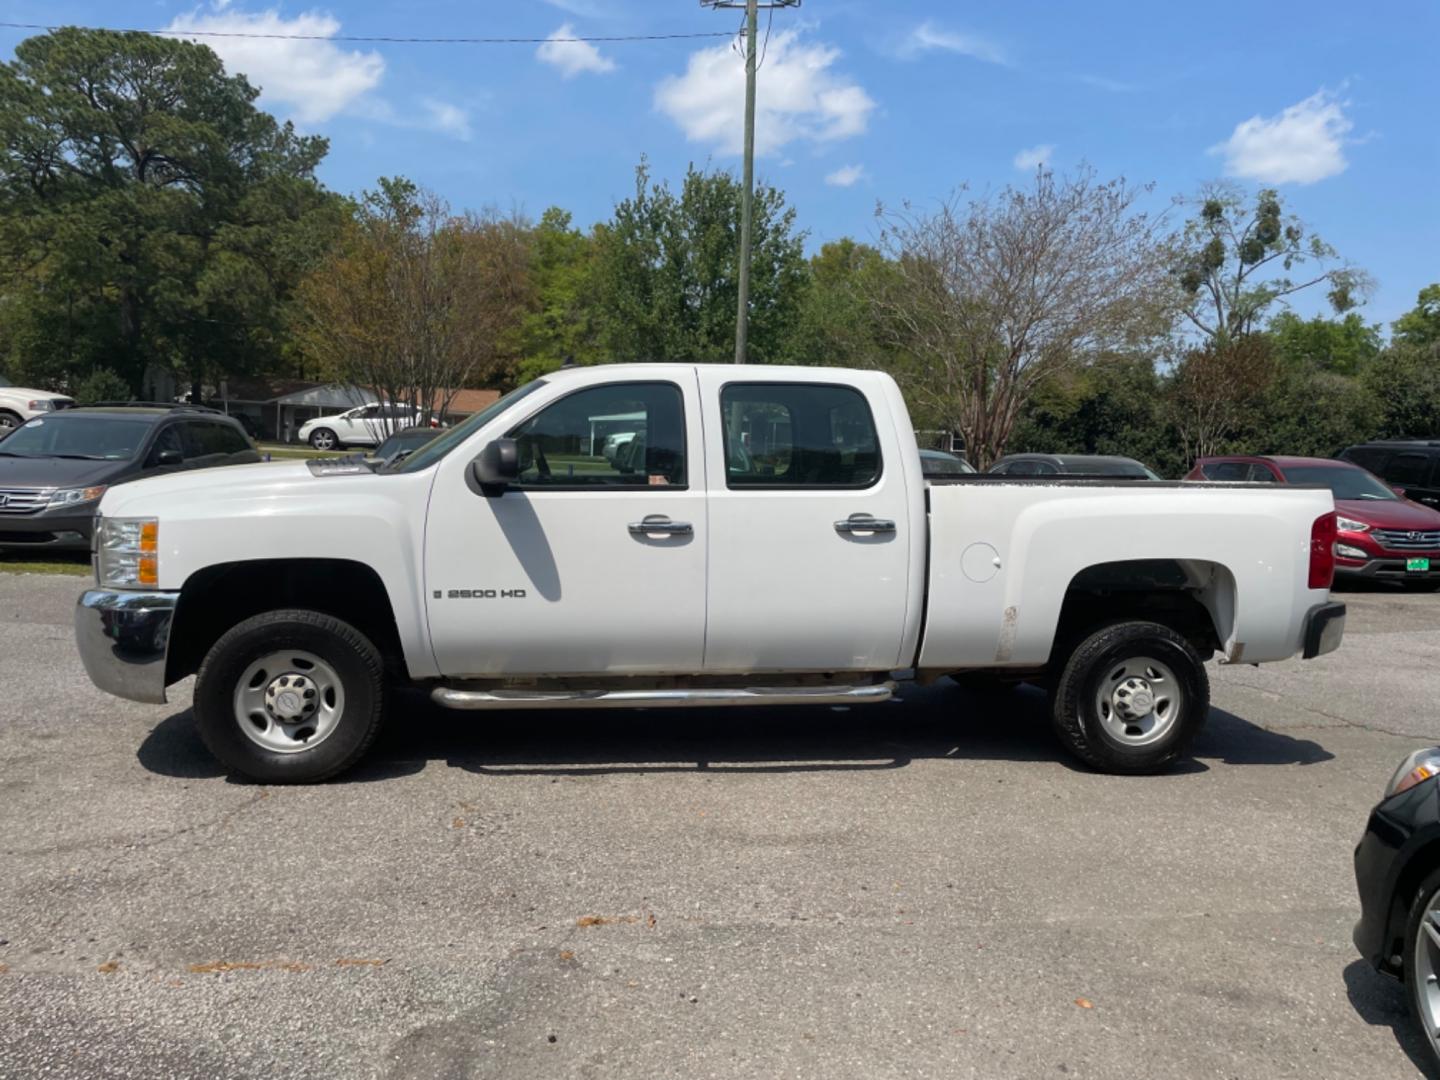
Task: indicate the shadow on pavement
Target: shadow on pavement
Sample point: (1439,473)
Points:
(1380,1002)
(940,721)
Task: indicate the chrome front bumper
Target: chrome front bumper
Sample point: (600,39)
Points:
(123,639)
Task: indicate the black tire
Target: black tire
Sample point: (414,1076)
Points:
(320,435)
(1428,585)
(1423,899)
(9,421)
(351,655)
(1079,724)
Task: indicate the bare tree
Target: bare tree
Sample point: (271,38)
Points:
(415,303)
(994,296)
(1215,391)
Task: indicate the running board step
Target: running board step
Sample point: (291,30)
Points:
(454,698)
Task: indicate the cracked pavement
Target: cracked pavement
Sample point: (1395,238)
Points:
(920,889)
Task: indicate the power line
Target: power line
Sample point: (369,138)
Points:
(377,39)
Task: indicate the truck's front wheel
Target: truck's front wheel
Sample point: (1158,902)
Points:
(1131,698)
(290,697)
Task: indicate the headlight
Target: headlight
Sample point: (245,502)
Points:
(1345,524)
(41,406)
(71,496)
(1415,769)
(127,552)
(1345,551)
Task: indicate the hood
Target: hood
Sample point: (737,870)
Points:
(1385,514)
(32,394)
(58,472)
(203,485)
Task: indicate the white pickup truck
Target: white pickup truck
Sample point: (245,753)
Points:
(767,539)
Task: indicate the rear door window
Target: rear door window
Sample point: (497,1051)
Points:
(798,435)
(1227,471)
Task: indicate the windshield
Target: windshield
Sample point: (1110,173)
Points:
(942,464)
(442,444)
(1129,469)
(1343,483)
(97,437)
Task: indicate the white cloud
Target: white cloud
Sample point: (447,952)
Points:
(1036,157)
(572,57)
(447,119)
(800,97)
(1303,144)
(312,80)
(927,37)
(583,8)
(846,176)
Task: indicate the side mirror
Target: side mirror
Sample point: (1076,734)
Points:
(497,465)
(170,457)
(1398,490)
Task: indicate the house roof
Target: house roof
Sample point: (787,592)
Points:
(467,402)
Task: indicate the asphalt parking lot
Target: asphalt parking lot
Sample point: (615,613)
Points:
(920,889)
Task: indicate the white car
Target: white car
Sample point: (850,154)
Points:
(507,565)
(19,403)
(366,425)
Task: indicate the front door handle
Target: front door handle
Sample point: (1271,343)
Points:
(659,524)
(864,523)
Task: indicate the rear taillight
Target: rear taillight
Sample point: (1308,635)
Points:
(1322,551)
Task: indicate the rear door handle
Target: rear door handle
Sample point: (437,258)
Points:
(864,523)
(659,524)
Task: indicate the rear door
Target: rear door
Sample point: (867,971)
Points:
(809,552)
(1412,470)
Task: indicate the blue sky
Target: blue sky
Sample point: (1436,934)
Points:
(1335,104)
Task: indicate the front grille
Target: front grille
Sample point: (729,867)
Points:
(23,500)
(1395,540)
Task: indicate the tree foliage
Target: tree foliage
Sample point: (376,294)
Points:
(150,215)
(665,278)
(1235,262)
(415,303)
(991,298)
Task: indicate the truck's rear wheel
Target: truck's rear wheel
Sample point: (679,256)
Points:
(290,697)
(1131,698)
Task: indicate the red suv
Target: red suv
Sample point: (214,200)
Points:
(1382,534)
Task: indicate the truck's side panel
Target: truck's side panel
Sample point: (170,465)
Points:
(1003,556)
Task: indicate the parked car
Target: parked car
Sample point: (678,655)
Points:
(937,463)
(1380,535)
(367,425)
(614,443)
(495,572)
(1411,464)
(54,469)
(1072,465)
(1397,871)
(19,403)
(404,441)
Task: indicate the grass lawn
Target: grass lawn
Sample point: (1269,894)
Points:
(76,564)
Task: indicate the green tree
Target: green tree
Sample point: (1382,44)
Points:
(1405,381)
(1421,325)
(1312,412)
(834,324)
(150,215)
(1234,263)
(1341,346)
(665,284)
(564,323)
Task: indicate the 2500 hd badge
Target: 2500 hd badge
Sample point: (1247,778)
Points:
(480,594)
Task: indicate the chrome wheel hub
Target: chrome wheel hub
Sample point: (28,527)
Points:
(1425,971)
(289,701)
(1138,701)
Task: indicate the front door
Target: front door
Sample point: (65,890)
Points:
(809,545)
(591,563)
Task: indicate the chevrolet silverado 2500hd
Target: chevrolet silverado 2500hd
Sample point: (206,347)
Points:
(763,536)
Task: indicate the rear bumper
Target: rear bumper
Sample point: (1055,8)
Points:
(124,638)
(55,532)
(1324,629)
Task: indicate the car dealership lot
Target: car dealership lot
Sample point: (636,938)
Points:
(927,888)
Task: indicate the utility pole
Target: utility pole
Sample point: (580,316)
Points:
(747,206)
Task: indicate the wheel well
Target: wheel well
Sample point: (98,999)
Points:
(1165,591)
(218,597)
(1419,866)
